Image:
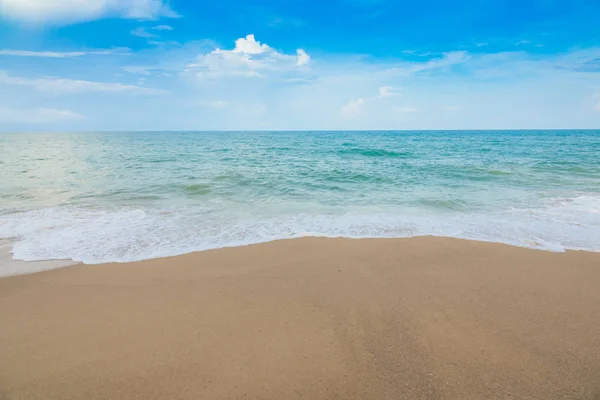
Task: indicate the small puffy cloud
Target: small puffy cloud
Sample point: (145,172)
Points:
(63,54)
(248,59)
(74,11)
(146,32)
(62,85)
(387,91)
(37,116)
(353,108)
(303,58)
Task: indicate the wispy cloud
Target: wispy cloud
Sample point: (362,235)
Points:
(37,116)
(387,91)
(277,22)
(522,42)
(408,110)
(586,60)
(445,61)
(453,89)
(135,69)
(146,32)
(353,108)
(73,11)
(214,104)
(448,59)
(62,85)
(64,54)
(357,107)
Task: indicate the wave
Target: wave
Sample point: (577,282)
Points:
(499,172)
(97,236)
(365,152)
(197,189)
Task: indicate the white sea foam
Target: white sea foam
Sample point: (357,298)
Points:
(129,234)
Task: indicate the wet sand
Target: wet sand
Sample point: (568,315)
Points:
(10,267)
(421,318)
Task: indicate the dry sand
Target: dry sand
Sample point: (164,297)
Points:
(423,318)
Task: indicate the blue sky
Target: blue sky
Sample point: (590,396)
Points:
(343,64)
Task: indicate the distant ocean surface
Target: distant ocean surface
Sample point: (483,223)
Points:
(125,196)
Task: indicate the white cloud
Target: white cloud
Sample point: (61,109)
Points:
(144,32)
(63,54)
(62,85)
(249,45)
(357,107)
(249,58)
(73,11)
(163,28)
(303,58)
(37,116)
(338,92)
(133,69)
(387,91)
(448,59)
(353,108)
(522,42)
(160,71)
(410,68)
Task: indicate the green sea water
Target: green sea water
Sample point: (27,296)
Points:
(123,196)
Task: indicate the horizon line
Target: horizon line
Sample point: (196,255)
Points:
(307,130)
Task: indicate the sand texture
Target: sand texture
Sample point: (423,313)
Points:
(421,318)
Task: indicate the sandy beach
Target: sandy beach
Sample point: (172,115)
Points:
(421,318)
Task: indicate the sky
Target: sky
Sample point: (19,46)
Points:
(96,65)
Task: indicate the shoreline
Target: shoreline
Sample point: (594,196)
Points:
(309,318)
(11,267)
(7,263)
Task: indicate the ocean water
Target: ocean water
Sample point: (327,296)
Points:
(125,196)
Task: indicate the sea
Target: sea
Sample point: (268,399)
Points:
(97,197)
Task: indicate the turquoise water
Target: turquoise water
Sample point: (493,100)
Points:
(99,197)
